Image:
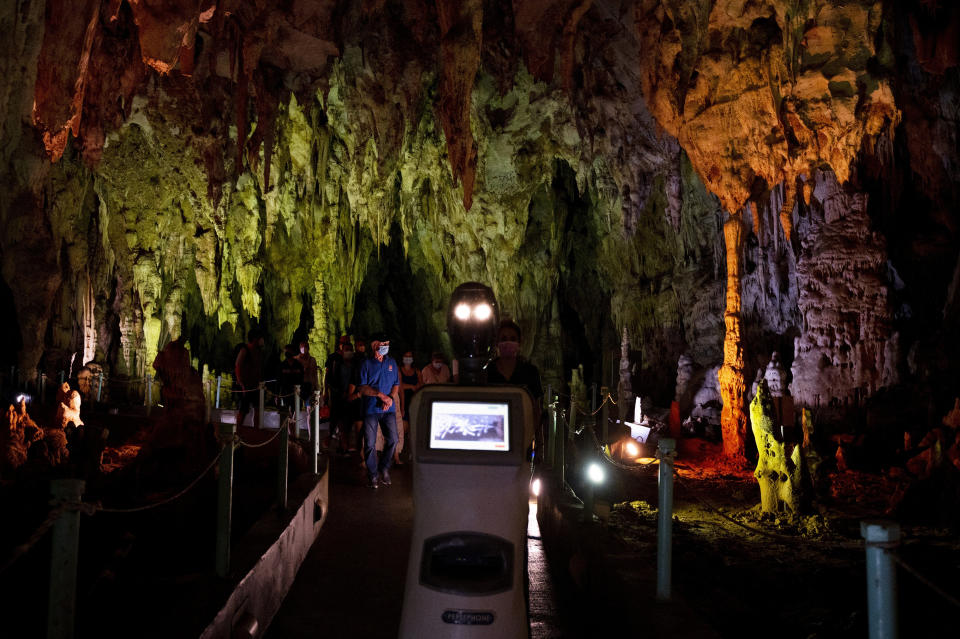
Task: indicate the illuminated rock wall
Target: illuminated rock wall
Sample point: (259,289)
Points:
(199,169)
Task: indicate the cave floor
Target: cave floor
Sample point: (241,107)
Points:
(747,574)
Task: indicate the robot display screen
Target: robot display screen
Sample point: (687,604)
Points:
(470,426)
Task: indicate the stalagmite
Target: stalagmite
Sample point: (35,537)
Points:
(779,463)
(733,420)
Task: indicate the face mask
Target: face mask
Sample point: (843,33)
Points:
(347,354)
(508,349)
(383,350)
(438,365)
(408,360)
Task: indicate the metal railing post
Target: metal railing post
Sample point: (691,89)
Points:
(296,410)
(43,388)
(880,536)
(572,418)
(63,558)
(62,373)
(282,464)
(149,394)
(562,450)
(315,431)
(219,379)
(100,387)
(593,397)
(551,427)
(263,393)
(228,433)
(666,448)
(604,416)
(206,400)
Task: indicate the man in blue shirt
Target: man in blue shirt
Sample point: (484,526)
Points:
(380,389)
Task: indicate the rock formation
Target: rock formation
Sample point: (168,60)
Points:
(779,465)
(719,179)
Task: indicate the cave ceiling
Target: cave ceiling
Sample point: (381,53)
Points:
(198,166)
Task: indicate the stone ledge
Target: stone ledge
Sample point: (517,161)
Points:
(267,575)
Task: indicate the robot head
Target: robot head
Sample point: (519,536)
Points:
(472,321)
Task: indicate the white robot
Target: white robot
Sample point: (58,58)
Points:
(466,575)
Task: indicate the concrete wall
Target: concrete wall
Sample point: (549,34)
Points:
(268,575)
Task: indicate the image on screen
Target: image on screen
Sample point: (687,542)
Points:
(470,426)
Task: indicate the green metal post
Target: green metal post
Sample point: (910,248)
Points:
(63,558)
(282,465)
(219,379)
(228,433)
(100,387)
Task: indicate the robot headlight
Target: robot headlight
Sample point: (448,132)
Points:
(472,320)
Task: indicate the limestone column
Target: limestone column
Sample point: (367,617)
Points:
(733,419)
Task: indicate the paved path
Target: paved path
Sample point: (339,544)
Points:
(351,583)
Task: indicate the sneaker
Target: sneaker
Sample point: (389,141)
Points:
(385,478)
(373,483)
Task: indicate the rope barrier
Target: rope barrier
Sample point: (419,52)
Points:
(241,391)
(264,443)
(34,538)
(97,506)
(599,408)
(926,582)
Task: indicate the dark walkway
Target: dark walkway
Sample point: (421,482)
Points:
(351,583)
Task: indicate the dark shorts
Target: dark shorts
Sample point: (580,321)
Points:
(248,400)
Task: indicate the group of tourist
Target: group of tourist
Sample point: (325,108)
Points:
(369,397)
(298,368)
(369,394)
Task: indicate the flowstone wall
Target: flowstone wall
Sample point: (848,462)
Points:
(722,181)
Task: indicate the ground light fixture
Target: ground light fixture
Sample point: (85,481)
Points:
(595,473)
(535,486)
(631,449)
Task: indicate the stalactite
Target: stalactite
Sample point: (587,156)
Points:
(786,210)
(733,419)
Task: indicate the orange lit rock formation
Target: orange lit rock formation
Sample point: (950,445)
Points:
(767,90)
(733,419)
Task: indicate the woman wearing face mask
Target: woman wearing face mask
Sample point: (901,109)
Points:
(510,368)
(410,382)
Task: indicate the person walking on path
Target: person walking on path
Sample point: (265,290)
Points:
(380,388)
(249,373)
(410,383)
(311,378)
